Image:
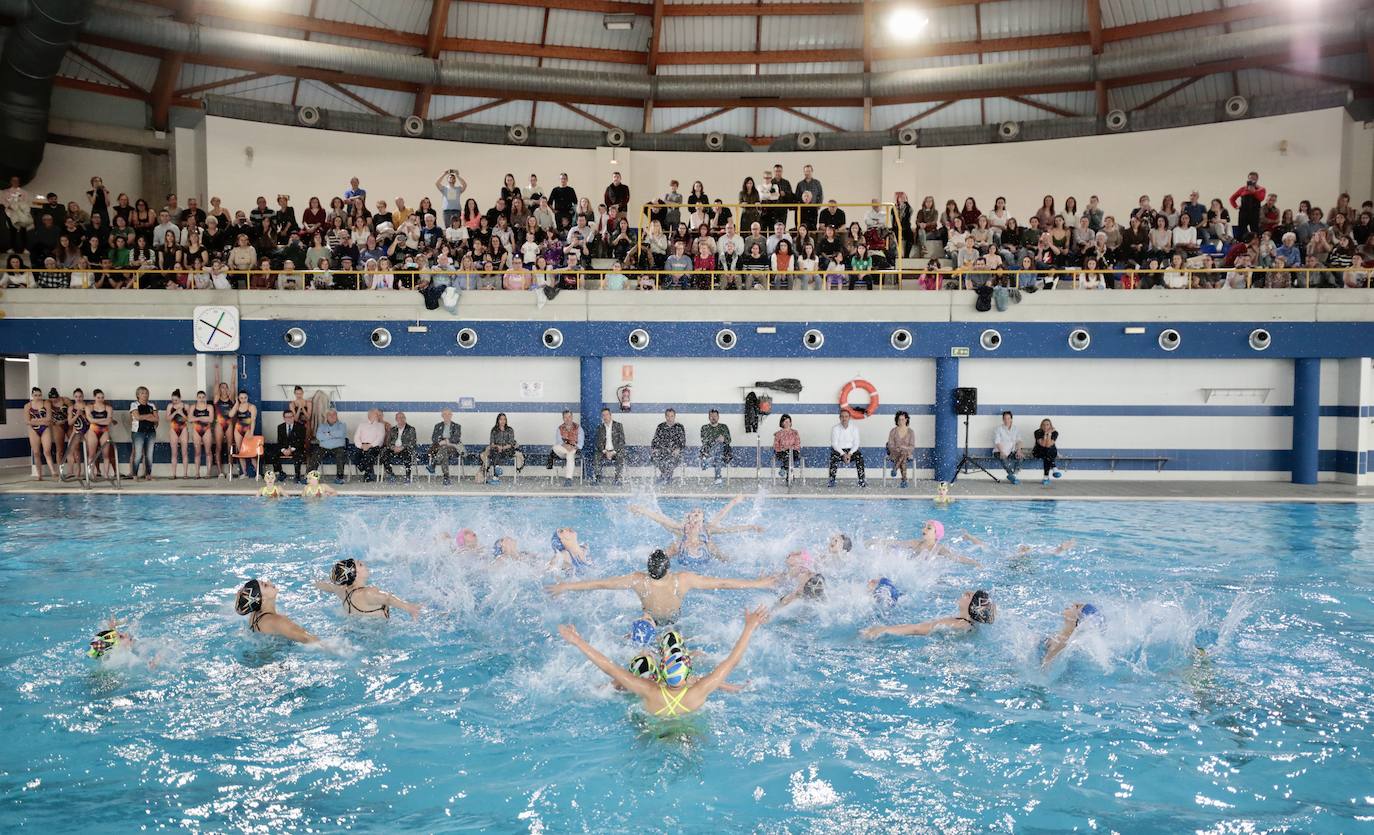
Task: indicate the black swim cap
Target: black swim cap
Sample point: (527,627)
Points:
(345,572)
(658,564)
(814,588)
(847,542)
(980,607)
(52,392)
(249,599)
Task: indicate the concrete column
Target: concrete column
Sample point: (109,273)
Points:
(589,399)
(250,380)
(1306,418)
(946,422)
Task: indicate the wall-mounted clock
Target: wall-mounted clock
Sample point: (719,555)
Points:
(216,328)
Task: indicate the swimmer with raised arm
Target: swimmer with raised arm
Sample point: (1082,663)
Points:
(348,580)
(1075,615)
(975,607)
(107,639)
(661,589)
(807,584)
(258,600)
(568,553)
(675,692)
(693,545)
(929,546)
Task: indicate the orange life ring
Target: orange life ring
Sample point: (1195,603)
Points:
(859,412)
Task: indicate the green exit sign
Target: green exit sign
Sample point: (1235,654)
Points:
(958,352)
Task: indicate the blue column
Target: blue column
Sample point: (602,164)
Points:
(590,397)
(1307,398)
(250,380)
(946,422)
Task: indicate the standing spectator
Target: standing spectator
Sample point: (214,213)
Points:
(1046,438)
(331,441)
(568,438)
(451,187)
(670,439)
(501,446)
(787,448)
(785,193)
(609,446)
(143,417)
(901,444)
(290,445)
(400,446)
(617,193)
(355,189)
(844,448)
(672,200)
(445,443)
(1006,445)
(563,200)
(809,190)
(369,439)
(715,444)
(1247,200)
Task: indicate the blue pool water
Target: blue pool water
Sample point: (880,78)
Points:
(478,717)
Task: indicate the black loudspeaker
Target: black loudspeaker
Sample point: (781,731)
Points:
(966,401)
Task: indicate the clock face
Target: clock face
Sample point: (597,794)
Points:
(216,328)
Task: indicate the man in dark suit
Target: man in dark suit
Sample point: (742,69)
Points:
(670,439)
(445,444)
(609,446)
(400,446)
(290,445)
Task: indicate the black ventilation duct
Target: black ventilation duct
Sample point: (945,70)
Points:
(32,56)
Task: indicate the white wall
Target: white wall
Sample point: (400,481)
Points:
(1213,159)
(13,432)
(1357,159)
(67,170)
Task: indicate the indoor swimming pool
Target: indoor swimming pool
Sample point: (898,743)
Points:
(1227,686)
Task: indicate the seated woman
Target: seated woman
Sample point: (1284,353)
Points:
(975,607)
(1047,450)
(348,581)
(901,444)
(501,447)
(786,446)
(257,599)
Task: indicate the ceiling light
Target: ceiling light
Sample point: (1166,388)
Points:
(905,23)
(618,22)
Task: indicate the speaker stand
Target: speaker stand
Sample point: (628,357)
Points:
(966,464)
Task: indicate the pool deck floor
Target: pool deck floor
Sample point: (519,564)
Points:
(16,480)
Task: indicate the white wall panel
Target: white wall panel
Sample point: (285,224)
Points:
(67,170)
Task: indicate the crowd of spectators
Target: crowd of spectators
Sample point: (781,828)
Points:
(774,233)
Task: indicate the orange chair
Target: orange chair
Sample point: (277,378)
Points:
(251,449)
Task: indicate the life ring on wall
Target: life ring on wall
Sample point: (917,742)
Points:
(859,412)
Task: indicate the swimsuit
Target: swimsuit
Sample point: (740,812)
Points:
(672,703)
(253,621)
(225,408)
(59,414)
(245,421)
(97,428)
(38,413)
(201,428)
(687,559)
(178,418)
(348,603)
(79,422)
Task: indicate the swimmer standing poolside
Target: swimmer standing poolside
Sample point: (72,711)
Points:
(929,545)
(975,607)
(660,589)
(348,580)
(258,600)
(677,693)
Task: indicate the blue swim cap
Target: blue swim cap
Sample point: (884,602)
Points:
(496,548)
(886,592)
(1089,611)
(676,669)
(556,543)
(643,632)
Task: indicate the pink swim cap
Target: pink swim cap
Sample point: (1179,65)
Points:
(939,528)
(465,537)
(804,557)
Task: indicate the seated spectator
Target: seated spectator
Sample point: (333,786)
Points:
(901,444)
(609,446)
(568,439)
(15,275)
(290,446)
(400,446)
(1046,438)
(875,217)
(1176,276)
(370,438)
(670,439)
(501,447)
(787,448)
(845,448)
(330,441)
(445,443)
(1006,446)
(715,443)
(1185,236)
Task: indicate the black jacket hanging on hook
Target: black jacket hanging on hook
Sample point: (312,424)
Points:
(751,412)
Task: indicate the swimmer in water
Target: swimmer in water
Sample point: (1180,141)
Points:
(808,584)
(839,547)
(568,553)
(661,589)
(313,488)
(885,594)
(675,692)
(929,546)
(506,548)
(107,639)
(1024,550)
(975,607)
(348,580)
(466,540)
(693,546)
(1075,615)
(258,600)
(270,488)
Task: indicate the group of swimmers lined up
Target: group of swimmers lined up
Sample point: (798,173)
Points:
(661,673)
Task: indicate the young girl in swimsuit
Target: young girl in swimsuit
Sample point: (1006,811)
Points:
(59,408)
(258,600)
(77,424)
(177,433)
(975,607)
(202,431)
(302,408)
(99,442)
(245,415)
(314,489)
(40,439)
(224,408)
(348,580)
(693,545)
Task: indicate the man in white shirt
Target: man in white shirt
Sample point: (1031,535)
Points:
(730,235)
(568,438)
(779,234)
(1006,445)
(164,225)
(844,448)
(369,438)
(875,217)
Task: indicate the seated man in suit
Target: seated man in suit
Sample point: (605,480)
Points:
(609,446)
(670,439)
(445,443)
(400,446)
(290,445)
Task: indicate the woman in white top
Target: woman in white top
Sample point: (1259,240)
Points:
(360,232)
(1176,277)
(1161,239)
(957,234)
(1185,235)
(997,218)
(1092,280)
(15,275)
(808,267)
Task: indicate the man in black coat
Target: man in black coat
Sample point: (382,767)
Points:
(609,449)
(290,445)
(670,439)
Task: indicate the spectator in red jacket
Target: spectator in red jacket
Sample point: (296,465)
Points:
(1247,200)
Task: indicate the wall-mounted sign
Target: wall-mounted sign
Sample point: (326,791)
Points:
(958,352)
(532,389)
(627,373)
(467,404)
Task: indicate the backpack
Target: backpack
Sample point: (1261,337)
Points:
(984,302)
